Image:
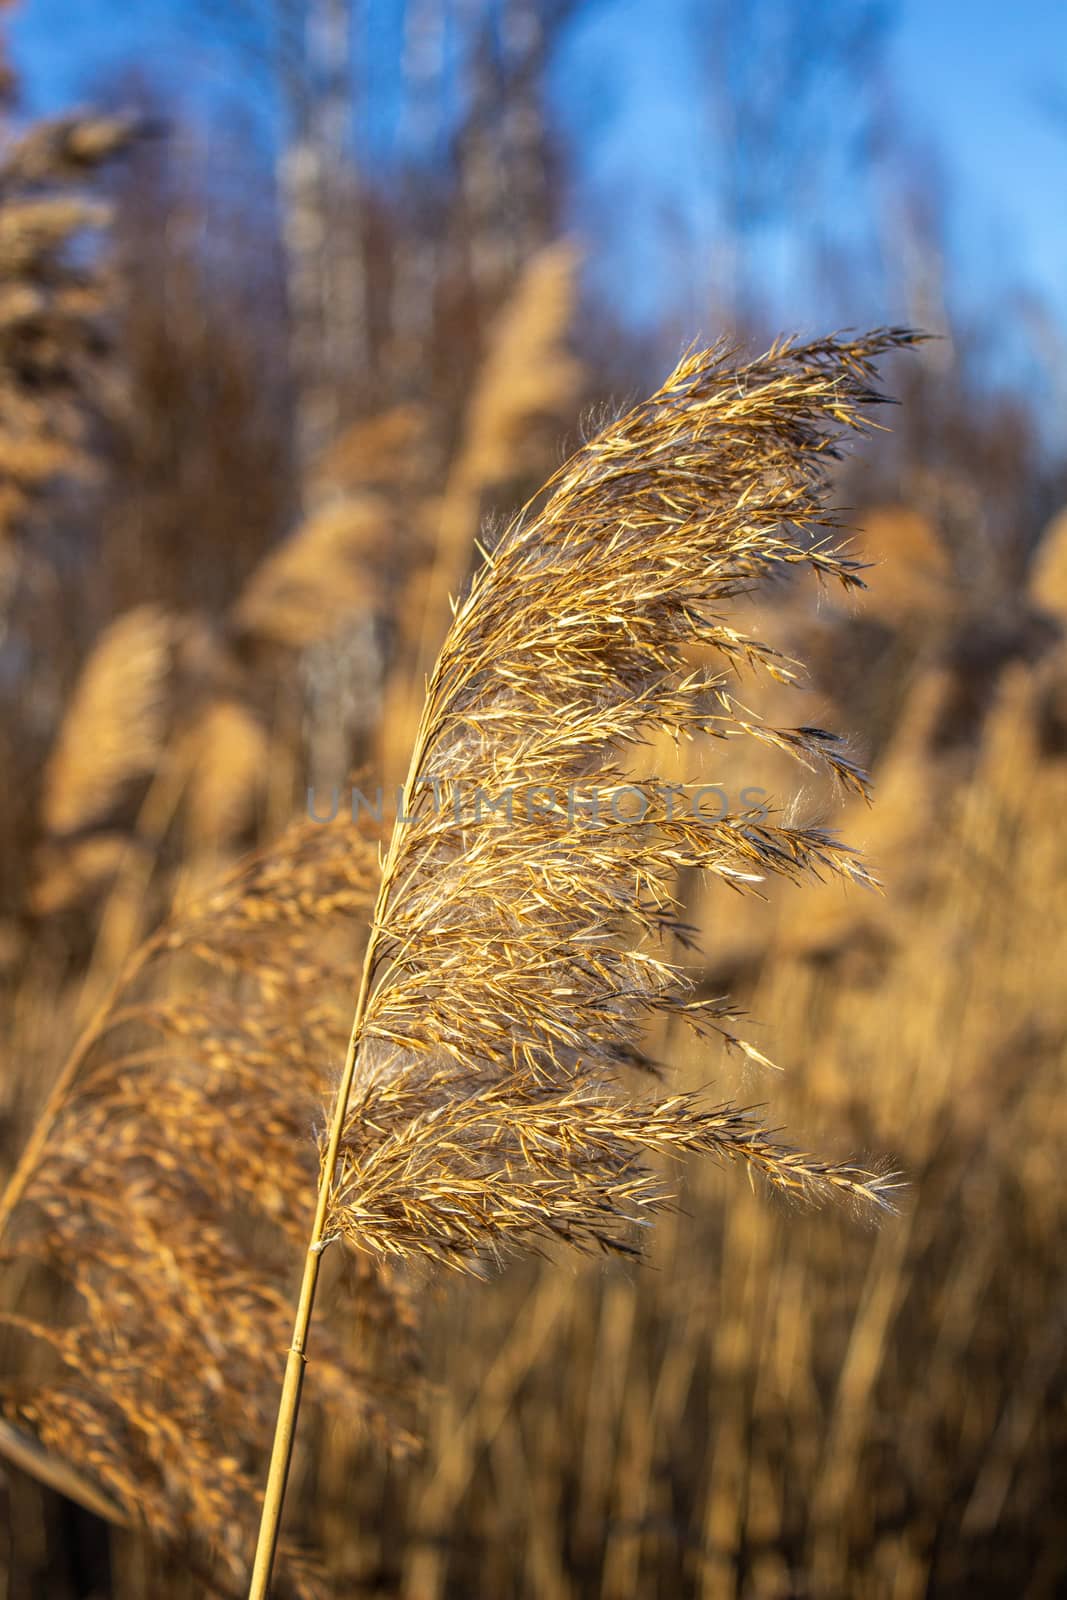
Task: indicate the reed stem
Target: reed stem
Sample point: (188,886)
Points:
(289,1404)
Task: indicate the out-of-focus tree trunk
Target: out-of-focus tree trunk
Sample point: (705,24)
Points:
(505,166)
(322,218)
(322,223)
(416,258)
(481,175)
(526,32)
(345,330)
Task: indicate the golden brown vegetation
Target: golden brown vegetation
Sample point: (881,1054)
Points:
(162,1182)
(779,1404)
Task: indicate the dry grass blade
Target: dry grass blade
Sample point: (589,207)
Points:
(514,961)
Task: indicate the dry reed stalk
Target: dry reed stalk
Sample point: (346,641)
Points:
(510,970)
(527,375)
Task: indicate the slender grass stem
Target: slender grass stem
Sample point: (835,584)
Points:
(296,1361)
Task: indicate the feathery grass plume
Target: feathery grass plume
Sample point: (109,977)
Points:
(513,964)
(1048,572)
(374,453)
(66,148)
(166,1186)
(53,298)
(228,776)
(113,728)
(307,588)
(527,375)
(363,493)
(331,592)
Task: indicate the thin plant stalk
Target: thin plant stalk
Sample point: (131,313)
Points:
(57,1098)
(156,812)
(281,1455)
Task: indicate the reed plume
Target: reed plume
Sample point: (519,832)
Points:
(1048,573)
(54,297)
(113,729)
(306,589)
(526,376)
(228,777)
(513,964)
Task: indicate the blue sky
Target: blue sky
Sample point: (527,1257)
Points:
(966,76)
(972,72)
(966,81)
